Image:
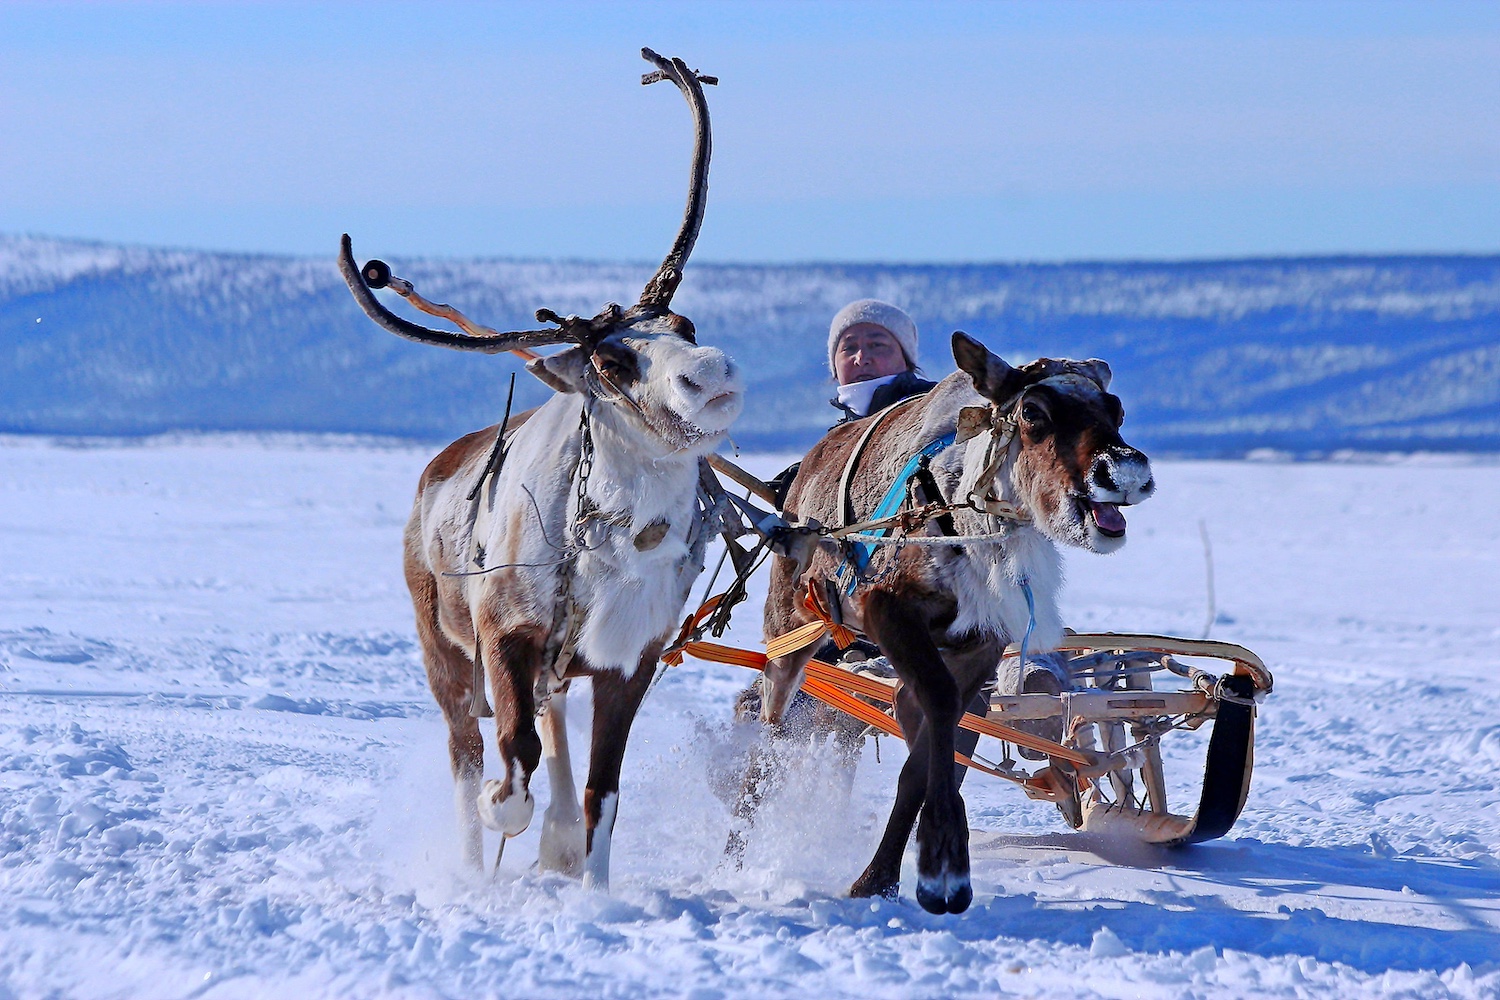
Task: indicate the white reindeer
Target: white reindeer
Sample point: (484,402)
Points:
(563,543)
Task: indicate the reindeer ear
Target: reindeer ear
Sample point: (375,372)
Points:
(562,371)
(1096,370)
(993,378)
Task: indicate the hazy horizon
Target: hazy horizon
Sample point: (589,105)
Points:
(698,260)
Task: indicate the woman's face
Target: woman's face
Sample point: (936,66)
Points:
(867,351)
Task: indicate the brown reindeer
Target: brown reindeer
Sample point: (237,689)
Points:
(563,544)
(1039,458)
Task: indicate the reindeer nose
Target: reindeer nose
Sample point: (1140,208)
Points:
(1102,477)
(1124,474)
(688,385)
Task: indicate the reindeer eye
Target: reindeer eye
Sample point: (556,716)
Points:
(617,365)
(1033,414)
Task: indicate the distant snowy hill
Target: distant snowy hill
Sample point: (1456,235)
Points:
(1314,354)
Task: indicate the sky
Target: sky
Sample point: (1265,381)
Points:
(894,132)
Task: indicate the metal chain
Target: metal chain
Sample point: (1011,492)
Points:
(890,566)
(582,473)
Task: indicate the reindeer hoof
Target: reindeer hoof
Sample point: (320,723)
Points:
(946,892)
(503,811)
(562,848)
(869,885)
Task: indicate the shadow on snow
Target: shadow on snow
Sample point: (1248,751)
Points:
(1269,871)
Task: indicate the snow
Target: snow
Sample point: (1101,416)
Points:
(221,774)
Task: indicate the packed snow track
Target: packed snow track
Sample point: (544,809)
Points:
(221,774)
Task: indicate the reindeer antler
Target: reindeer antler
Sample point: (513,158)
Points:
(657,295)
(655,299)
(376,274)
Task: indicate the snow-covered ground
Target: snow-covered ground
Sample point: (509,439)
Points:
(221,775)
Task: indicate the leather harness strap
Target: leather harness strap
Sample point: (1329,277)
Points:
(846,480)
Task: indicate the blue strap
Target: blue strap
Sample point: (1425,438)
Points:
(860,553)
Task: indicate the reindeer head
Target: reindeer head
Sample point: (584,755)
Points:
(678,396)
(1071,470)
(645,360)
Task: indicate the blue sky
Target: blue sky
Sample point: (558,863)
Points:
(842,131)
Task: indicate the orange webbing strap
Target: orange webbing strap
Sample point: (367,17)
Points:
(843,636)
(805,635)
(983,726)
(716,653)
(828,684)
(869,714)
(871,688)
(850,705)
(798,638)
(672,656)
(853,683)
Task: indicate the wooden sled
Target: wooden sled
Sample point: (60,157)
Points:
(1106,772)
(1113,780)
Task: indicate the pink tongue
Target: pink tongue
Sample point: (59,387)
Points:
(1108,517)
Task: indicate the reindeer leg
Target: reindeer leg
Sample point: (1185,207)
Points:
(974,669)
(562,824)
(616,700)
(466,751)
(512,660)
(882,876)
(760,775)
(450,675)
(902,630)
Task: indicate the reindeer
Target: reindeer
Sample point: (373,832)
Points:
(562,543)
(1037,460)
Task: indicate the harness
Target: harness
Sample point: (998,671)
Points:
(888,514)
(859,554)
(568,616)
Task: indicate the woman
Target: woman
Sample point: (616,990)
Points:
(872,353)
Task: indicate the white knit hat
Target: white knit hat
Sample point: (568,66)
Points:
(881,314)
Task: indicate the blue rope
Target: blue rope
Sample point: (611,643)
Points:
(860,553)
(1030,624)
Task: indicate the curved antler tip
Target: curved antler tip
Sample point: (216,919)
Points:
(649,55)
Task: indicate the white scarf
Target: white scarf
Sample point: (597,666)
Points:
(857,395)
